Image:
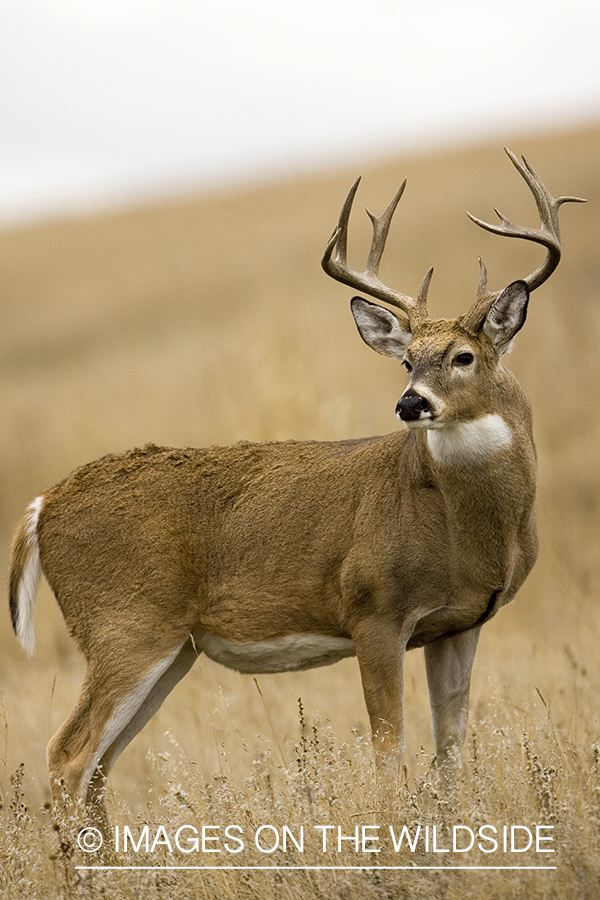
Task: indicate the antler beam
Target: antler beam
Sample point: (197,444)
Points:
(335,263)
(549,233)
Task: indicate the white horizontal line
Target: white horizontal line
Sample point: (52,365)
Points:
(305,868)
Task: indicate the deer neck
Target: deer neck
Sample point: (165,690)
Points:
(499,439)
(484,477)
(483,467)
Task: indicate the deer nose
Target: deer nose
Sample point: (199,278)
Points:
(411,405)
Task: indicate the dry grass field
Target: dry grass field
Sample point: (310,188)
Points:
(206,320)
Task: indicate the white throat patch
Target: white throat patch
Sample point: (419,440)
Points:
(469,442)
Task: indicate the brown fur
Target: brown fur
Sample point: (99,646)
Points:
(363,539)
(380,541)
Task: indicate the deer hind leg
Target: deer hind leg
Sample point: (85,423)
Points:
(449,661)
(118,697)
(172,675)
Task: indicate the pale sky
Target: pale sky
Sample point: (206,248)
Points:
(106,102)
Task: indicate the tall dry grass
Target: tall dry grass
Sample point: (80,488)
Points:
(208,320)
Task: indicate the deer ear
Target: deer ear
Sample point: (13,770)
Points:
(381,329)
(507,315)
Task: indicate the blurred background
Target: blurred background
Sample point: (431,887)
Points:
(108,101)
(169,175)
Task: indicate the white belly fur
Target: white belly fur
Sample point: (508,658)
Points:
(283,654)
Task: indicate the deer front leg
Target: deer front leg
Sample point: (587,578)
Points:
(449,661)
(380,651)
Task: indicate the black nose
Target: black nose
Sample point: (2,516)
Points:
(411,405)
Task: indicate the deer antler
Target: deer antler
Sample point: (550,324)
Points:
(548,235)
(368,281)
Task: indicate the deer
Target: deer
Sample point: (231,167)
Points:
(281,556)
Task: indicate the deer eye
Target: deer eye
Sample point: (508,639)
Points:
(464,359)
(408,365)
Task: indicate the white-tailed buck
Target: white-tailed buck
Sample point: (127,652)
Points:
(280,556)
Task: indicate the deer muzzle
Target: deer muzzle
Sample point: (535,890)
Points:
(412,406)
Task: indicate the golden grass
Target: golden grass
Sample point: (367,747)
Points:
(207,320)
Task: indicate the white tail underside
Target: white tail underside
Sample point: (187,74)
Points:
(30,580)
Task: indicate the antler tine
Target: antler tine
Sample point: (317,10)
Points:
(339,238)
(335,264)
(482,291)
(548,234)
(381,227)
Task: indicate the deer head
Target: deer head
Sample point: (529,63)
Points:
(454,365)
